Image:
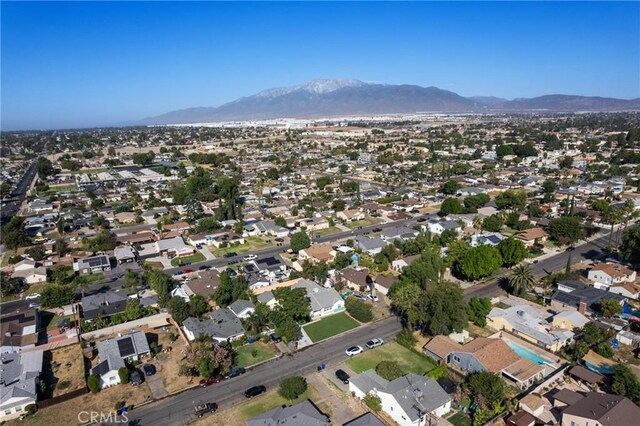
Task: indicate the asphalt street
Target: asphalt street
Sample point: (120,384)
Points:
(179,409)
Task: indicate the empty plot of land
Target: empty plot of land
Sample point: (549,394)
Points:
(409,361)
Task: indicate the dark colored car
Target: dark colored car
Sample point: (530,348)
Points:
(279,240)
(136,378)
(572,248)
(208,407)
(211,380)
(421,219)
(377,229)
(235,372)
(342,376)
(254,391)
(149,369)
(230,254)
(204,267)
(275,337)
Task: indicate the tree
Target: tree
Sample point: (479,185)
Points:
(630,248)
(37,253)
(13,233)
(133,310)
(389,370)
(280,221)
(476,201)
(522,280)
(450,187)
(338,205)
(123,373)
(479,308)
(61,247)
(512,251)
(299,241)
(511,199)
(565,162)
(565,229)
(209,358)
(198,306)
(178,309)
(359,309)
(93,383)
(610,307)
(450,206)
(230,289)
(478,262)
(292,387)
(428,269)
(486,387)
(492,223)
(54,295)
(44,168)
(323,181)
(207,224)
(289,330)
(381,261)
(444,308)
(625,383)
(292,303)
(10,286)
(373,401)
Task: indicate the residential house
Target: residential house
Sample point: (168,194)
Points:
(601,409)
(225,238)
(222,325)
(483,354)
(18,327)
(125,254)
(487,238)
(266,227)
(532,236)
(270,267)
(125,217)
(173,247)
(27,271)
(317,253)
(356,279)
(574,295)
(323,301)
(438,227)
(301,414)
(103,304)
(367,419)
(382,284)
(350,215)
(268,299)
(242,308)
(371,246)
(115,353)
(20,383)
(93,264)
(530,324)
(569,320)
(408,400)
(176,227)
(399,264)
(401,233)
(606,274)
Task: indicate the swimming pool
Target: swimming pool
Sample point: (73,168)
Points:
(530,355)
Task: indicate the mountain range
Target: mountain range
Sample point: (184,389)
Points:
(332,98)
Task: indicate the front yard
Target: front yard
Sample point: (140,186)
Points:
(249,355)
(250,244)
(369,221)
(327,231)
(169,360)
(408,360)
(330,326)
(194,258)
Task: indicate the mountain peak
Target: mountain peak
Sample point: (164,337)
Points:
(319,86)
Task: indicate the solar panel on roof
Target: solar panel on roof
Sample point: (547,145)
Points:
(125,346)
(269,261)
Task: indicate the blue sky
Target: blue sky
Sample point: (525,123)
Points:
(90,64)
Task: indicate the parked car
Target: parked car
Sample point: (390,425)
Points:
(230,254)
(254,391)
(199,246)
(178,273)
(374,343)
(208,407)
(187,271)
(135,377)
(33,296)
(354,350)
(149,369)
(275,337)
(279,240)
(211,380)
(342,376)
(572,248)
(421,219)
(34,305)
(373,297)
(376,230)
(250,257)
(235,372)
(204,267)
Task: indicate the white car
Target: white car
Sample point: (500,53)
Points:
(250,257)
(33,296)
(373,297)
(354,350)
(374,343)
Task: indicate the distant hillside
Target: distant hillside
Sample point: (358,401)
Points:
(330,98)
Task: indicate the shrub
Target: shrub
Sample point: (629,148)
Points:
(373,401)
(292,387)
(31,409)
(254,353)
(123,373)
(118,405)
(187,371)
(604,349)
(406,338)
(172,337)
(93,383)
(359,309)
(389,370)
(63,384)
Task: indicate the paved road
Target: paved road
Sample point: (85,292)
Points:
(11,207)
(178,409)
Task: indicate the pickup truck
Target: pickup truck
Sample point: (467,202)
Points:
(207,407)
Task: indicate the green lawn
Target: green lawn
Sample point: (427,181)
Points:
(328,231)
(408,360)
(364,223)
(245,354)
(460,419)
(272,400)
(194,258)
(250,244)
(330,326)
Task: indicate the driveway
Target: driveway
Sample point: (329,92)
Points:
(206,253)
(343,407)
(166,262)
(156,386)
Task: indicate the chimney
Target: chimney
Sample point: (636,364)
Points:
(582,307)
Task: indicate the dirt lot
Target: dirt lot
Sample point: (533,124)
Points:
(168,362)
(67,364)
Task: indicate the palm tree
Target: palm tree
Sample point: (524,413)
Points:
(522,279)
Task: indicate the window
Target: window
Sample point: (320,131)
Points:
(18,409)
(7,412)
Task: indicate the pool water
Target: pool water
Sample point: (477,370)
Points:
(526,353)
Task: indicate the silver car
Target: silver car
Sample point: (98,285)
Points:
(374,343)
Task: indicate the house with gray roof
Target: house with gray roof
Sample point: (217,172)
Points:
(93,264)
(113,354)
(367,419)
(242,308)
(371,246)
(408,400)
(323,301)
(304,413)
(19,377)
(125,254)
(103,304)
(574,295)
(222,325)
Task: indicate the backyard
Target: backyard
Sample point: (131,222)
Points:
(194,258)
(330,326)
(460,419)
(249,355)
(250,244)
(67,369)
(408,360)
